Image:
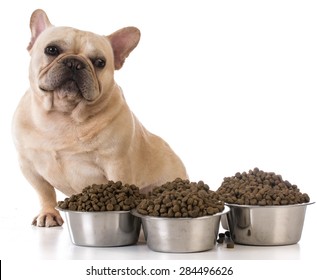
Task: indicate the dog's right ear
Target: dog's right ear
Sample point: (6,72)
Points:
(38,23)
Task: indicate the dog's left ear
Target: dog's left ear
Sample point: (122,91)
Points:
(123,42)
(38,23)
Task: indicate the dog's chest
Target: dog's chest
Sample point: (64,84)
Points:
(70,173)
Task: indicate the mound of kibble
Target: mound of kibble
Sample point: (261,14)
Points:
(113,196)
(180,199)
(260,188)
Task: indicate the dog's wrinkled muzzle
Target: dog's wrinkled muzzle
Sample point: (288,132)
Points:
(70,76)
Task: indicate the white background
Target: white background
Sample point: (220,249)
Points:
(230,85)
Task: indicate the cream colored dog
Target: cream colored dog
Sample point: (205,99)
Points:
(73,127)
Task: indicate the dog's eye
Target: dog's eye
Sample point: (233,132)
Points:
(52,50)
(99,63)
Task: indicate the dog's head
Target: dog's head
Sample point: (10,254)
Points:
(70,66)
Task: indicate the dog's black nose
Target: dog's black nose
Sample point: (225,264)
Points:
(74,64)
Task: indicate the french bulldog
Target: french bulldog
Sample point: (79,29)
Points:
(73,127)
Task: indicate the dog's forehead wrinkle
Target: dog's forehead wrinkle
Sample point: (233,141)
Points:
(95,48)
(62,44)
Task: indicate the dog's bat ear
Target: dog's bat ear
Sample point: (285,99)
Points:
(38,23)
(123,42)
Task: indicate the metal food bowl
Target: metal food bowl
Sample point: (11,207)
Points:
(181,235)
(102,229)
(266,225)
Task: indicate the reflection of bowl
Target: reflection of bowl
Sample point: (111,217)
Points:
(102,229)
(266,225)
(181,235)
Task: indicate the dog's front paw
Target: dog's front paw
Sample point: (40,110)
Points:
(48,219)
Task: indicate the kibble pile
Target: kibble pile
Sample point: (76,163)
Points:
(113,196)
(179,199)
(260,188)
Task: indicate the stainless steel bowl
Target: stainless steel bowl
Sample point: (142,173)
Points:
(102,229)
(266,225)
(181,235)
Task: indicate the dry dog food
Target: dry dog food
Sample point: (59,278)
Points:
(260,188)
(230,244)
(181,198)
(113,196)
(226,238)
(221,238)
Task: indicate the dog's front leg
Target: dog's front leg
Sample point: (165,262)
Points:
(48,216)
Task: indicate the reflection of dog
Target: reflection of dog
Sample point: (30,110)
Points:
(73,127)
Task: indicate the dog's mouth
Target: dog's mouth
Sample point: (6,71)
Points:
(69,90)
